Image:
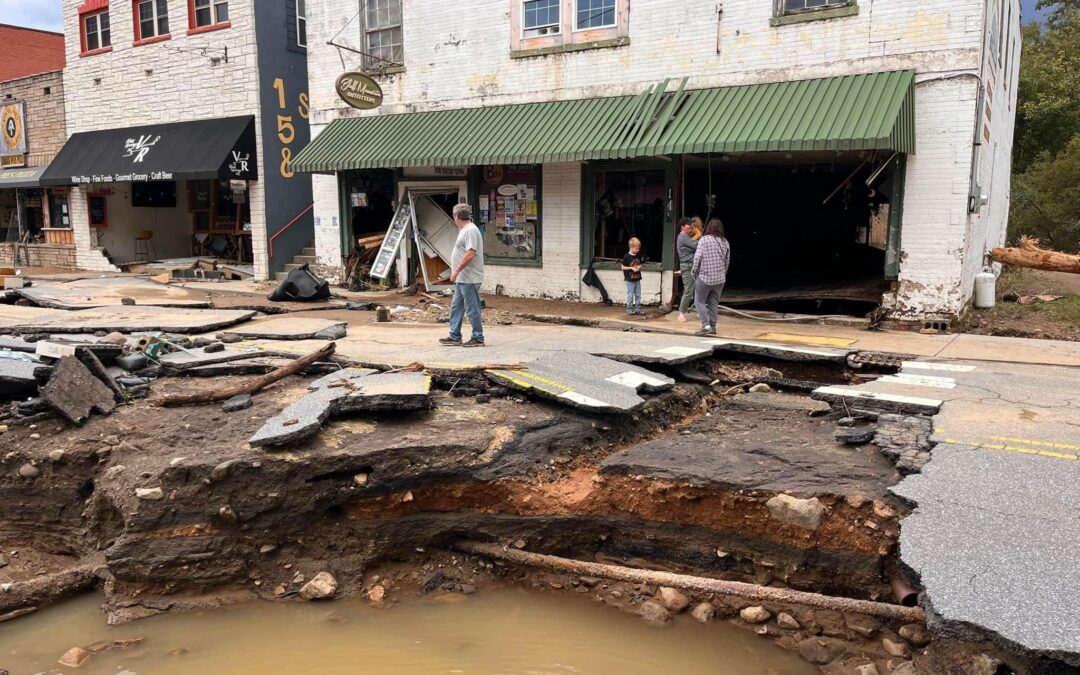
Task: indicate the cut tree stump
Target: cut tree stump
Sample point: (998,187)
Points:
(1029,255)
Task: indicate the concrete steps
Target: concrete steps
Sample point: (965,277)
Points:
(305,257)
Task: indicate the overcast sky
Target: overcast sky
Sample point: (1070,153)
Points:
(46,13)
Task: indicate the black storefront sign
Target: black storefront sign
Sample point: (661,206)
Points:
(221,148)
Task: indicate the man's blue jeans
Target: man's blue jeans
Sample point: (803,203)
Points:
(466,301)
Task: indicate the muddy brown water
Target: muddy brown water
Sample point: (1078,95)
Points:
(508,631)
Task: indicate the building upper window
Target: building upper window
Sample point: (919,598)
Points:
(792,6)
(382,33)
(594,14)
(301,23)
(151,19)
(796,11)
(95,31)
(208,14)
(541,17)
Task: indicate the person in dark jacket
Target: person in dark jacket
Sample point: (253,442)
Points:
(685,245)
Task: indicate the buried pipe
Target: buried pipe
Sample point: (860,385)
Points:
(906,594)
(695,584)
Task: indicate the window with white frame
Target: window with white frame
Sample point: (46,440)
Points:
(153,19)
(210,12)
(382,32)
(594,14)
(301,23)
(540,17)
(797,6)
(96,32)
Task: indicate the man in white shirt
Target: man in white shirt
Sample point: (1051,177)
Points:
(466,273)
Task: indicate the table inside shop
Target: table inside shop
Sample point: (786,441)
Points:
(237,244)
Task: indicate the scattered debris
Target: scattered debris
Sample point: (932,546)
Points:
(75,393)
(237,403)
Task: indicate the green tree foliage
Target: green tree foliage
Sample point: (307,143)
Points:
(1046,152)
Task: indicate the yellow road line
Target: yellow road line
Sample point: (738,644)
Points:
(1014,448)
(520,378)
(807,339)
(1024,441)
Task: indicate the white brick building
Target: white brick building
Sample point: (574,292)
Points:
(939,201)
(147,64)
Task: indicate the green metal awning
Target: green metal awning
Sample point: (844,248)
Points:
(854,112)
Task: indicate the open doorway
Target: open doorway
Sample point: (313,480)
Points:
(807,233)
(433,243)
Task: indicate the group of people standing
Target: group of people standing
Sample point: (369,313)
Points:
(704,256)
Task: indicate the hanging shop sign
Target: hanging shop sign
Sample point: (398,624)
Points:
(359,91)
(13,135)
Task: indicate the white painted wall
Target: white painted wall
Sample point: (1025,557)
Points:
(157,83)
(459,56)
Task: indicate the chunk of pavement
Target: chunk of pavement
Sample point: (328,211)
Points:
(17,344)
(821,650)
(17,376)
(74,391)
(292,328)
(322,585)
(703,612)
(135,319)
(673,599)
(804,513)
(183,360)
(781,351)
(785,620)
(653,612)
(305,417)
(90,359)
(584,381)
(149,494)
(778,401)
(388,392)
(755,614)
(74,657)
(237,403)
(855,435)
(877,401)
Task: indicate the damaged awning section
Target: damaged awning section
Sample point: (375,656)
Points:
(874,111)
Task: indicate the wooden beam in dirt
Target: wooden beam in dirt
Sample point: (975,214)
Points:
(1029,255)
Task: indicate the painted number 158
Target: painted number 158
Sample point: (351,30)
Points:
(286,130)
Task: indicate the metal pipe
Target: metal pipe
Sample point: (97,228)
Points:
(906,594)
(694,584)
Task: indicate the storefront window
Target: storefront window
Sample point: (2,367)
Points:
(629,204)
(509,211)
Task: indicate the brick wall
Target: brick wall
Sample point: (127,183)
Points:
(168,81)
(45,128)
(461,58)
(54,256)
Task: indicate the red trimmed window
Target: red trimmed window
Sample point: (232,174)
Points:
(207,15)
(151,18)
(94,31)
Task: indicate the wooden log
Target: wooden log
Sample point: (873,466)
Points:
(694,584)
(251,386)
(42,590)
(1029,255)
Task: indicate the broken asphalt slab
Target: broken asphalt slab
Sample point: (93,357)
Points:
(293,328)
(17,375)
(994,541)
(886,402)
(754,445)
(74,391)
(584,381)
(109,291)
(180,361)
(351,390)
(133,319)
(780,351)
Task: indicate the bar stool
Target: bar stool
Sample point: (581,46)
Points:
(144,245)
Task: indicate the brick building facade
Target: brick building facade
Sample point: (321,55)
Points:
(949,197)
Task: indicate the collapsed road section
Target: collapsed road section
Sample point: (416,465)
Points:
(339,467)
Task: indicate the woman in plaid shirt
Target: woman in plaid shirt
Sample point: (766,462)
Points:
(710,270)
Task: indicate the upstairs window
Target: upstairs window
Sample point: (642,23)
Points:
(795,6)
(301,23)
(796,11)
(207,13)
(151,19)
(595,14)
(382,33)
(541,17)
(95,31)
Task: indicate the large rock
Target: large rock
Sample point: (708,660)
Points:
(785,620)
(653,612)
(916,634)
(673,600)
(703,612)
(804,513)
(74,657)
(895,648)
(323,585)
(821,650)
(754,614)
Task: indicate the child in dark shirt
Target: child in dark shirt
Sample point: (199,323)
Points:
(631,268)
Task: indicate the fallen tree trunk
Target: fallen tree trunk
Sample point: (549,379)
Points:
(251,386)
(694,584)
(1029,255)
(21,598)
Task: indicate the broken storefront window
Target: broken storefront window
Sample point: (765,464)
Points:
(509,211)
